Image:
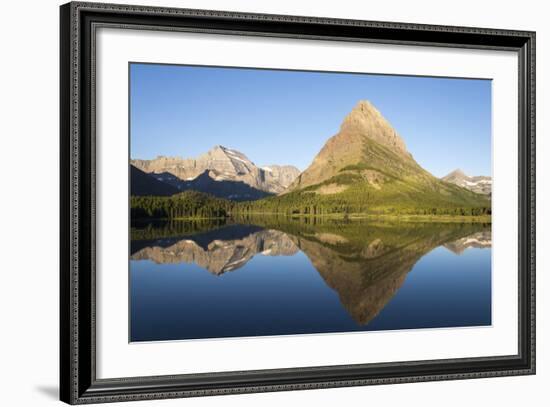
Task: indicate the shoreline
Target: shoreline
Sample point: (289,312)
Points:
(350,217)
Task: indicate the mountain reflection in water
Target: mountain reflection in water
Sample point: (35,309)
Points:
(365,263)
(220,252)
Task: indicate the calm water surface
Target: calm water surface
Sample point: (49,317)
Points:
(190,280)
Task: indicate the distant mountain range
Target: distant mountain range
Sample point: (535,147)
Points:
(365,166)
(221,169)
(480,184)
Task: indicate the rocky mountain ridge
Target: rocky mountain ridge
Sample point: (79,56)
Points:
(480,184)
(222,164)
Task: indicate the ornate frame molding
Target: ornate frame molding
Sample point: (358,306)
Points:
(79,20)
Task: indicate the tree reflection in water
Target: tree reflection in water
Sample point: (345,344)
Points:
(364,262)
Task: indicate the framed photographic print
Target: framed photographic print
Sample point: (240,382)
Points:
(256,203)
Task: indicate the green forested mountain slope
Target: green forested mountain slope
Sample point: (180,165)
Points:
(367,167)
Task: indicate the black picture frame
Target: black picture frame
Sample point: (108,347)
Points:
(78,382)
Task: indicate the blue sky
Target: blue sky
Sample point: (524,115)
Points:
(285,117)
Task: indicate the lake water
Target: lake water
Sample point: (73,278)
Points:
(278,277)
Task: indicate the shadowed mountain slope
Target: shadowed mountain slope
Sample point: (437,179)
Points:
(142,184)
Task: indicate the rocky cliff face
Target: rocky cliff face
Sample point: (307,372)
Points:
(283,175)
(226,164)
(480,184)
(365,138)
(365,120)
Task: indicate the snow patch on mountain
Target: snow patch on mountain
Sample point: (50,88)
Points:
(480,184)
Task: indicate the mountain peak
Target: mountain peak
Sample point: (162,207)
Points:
(365,138)
(218,148)
(365,106)
(363,109)
(229,152)
(366,120)
(480,184)
(456,173)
